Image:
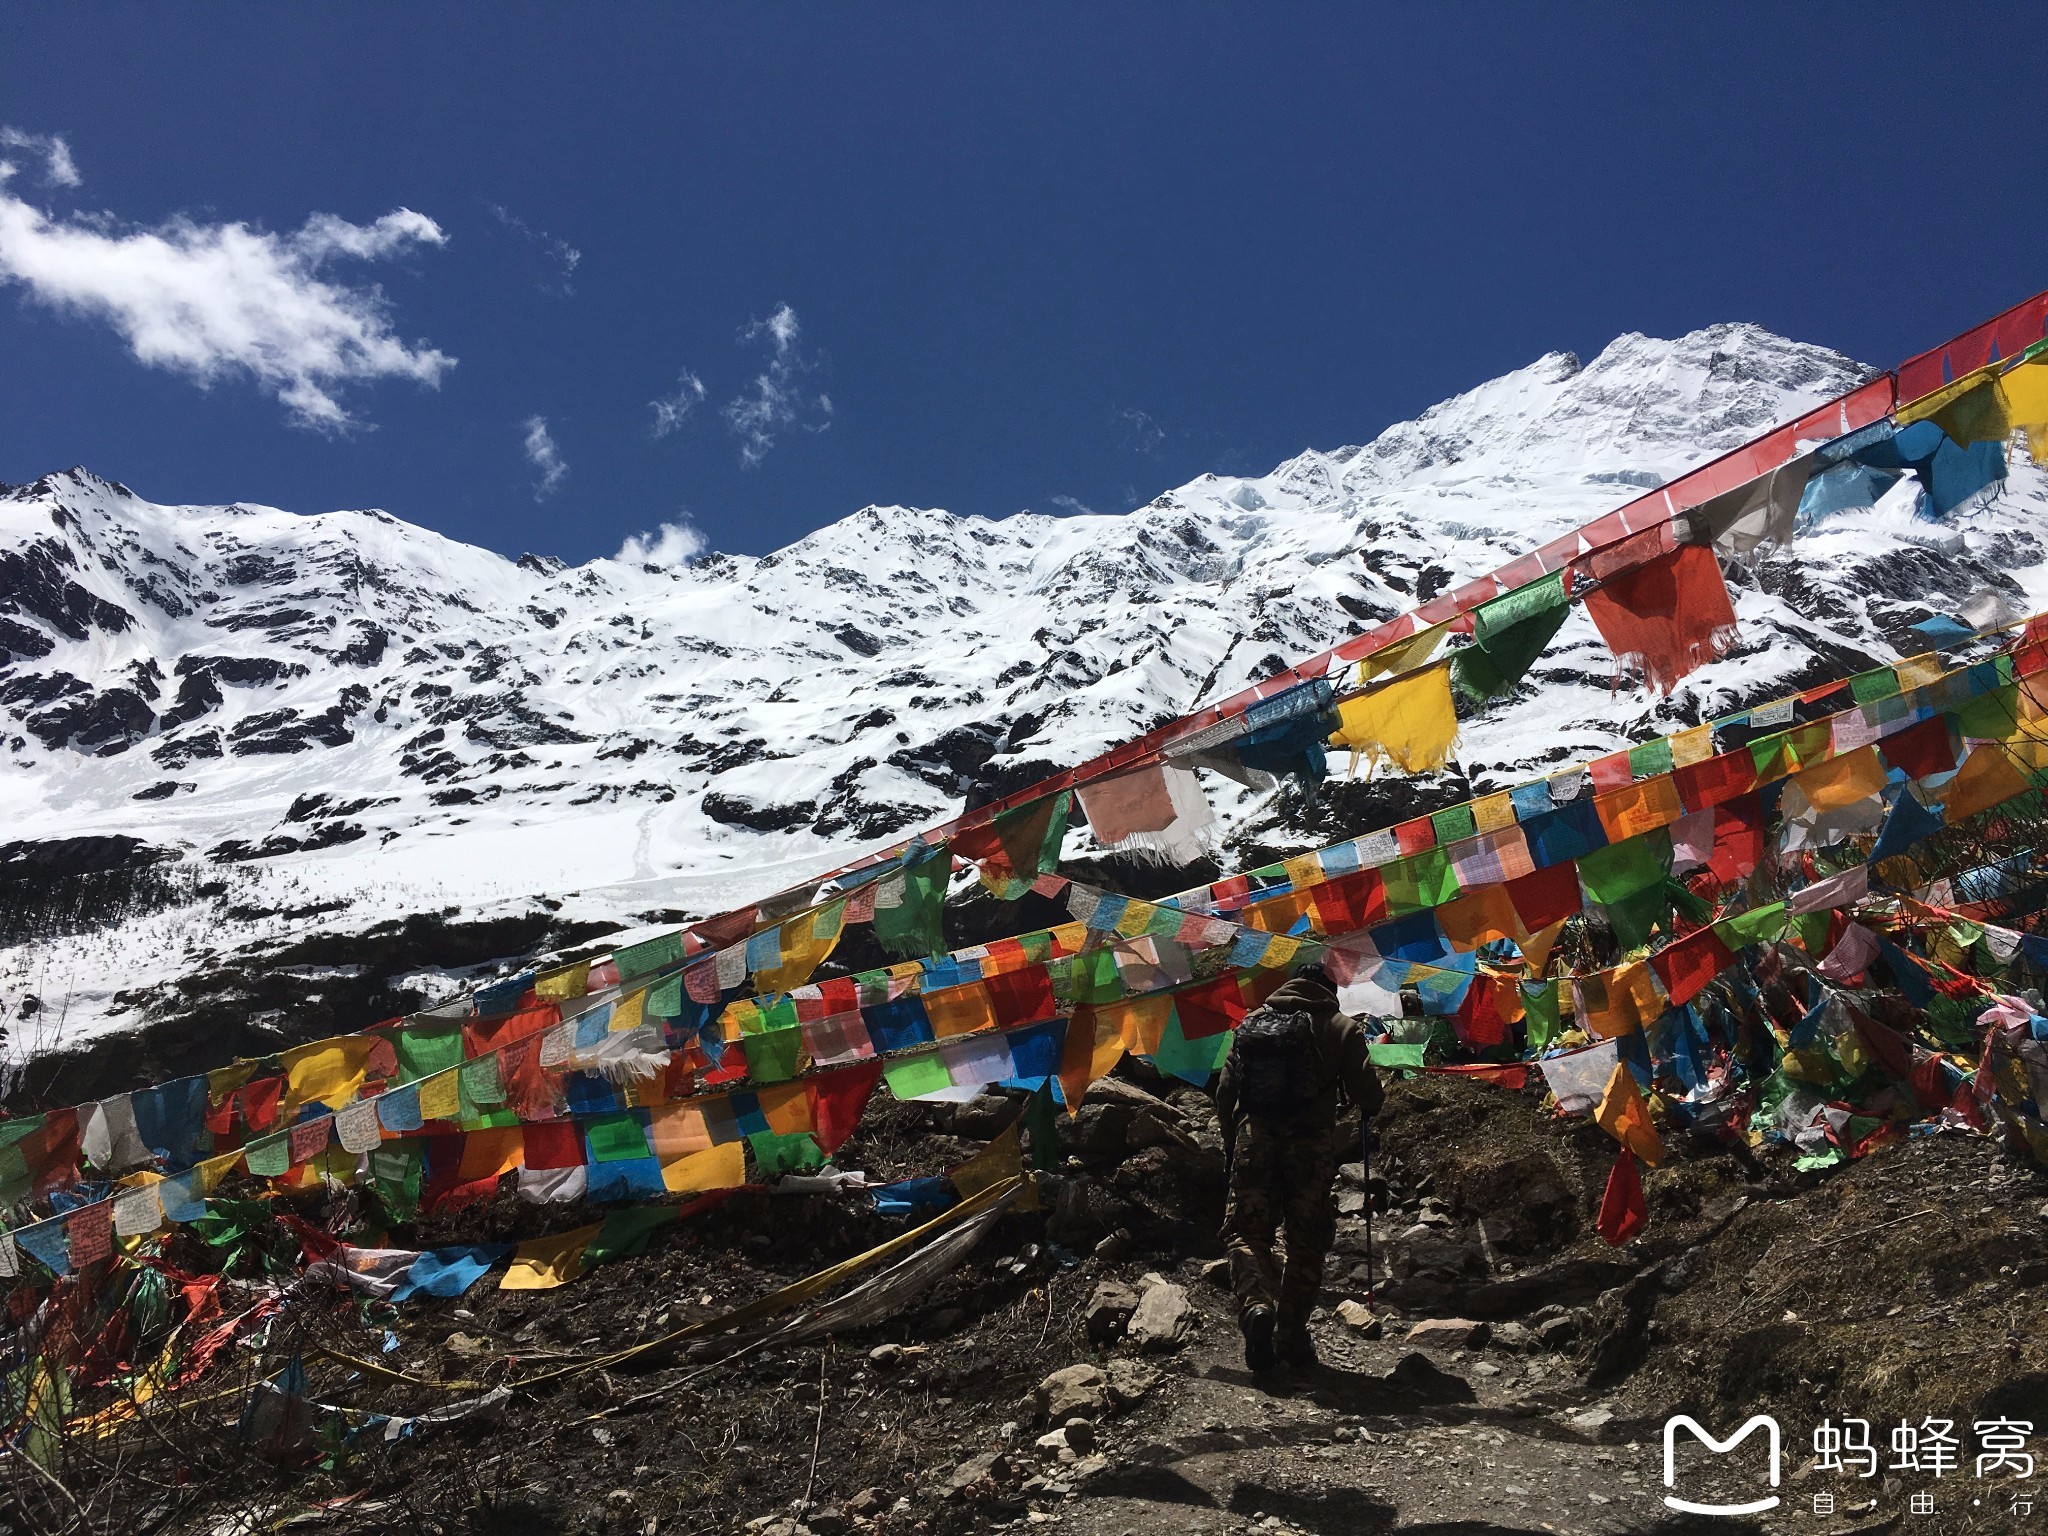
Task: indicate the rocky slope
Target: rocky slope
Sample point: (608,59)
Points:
(230,729)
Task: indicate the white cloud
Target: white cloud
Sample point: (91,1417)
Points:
(58,167)
(560,253)
(542,453)
(1075,505)
(214,300)
(1141,434)
(671,544)
(671,411)
(777,399)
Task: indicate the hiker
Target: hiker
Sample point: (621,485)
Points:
(1287,1066)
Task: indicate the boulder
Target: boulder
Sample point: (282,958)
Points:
(1129,1381)
(1448,1333)
(1512,1336)
(1163,1318)
(990,1466)
(1078,1390)
(1109,1311)
(1359,1318)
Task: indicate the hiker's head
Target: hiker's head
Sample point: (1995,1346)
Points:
(1314,974)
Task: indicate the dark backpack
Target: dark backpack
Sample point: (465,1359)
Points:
(1278,1068)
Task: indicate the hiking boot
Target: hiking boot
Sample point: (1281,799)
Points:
(1257,1324)
(1294,1347)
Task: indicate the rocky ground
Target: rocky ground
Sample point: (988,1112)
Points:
(1511,1373)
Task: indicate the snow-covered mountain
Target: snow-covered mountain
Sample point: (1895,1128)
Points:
(321,723)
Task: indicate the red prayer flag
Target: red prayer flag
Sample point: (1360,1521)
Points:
(1417,836)
(1715,781)
(1350,902)
(553,1144)
(1667,618)
(1021,997)
(259,1102)
(1687,966)
(1738,838)
(1546,896)
(837,1100)
(1210,1008)
(1623,1211)
(1920,750)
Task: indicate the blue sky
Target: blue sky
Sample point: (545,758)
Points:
(550,278)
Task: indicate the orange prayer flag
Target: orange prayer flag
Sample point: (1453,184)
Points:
(1842,780)
(488,1153)
(1623,1115)
(1988,777)
(1639,808)
(959,1010)
(1095,1044)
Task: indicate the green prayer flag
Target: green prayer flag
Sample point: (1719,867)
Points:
(427,1046)
(482,1083)
(14,1179)
(395,1169)
(626,1232)
(1869,687)
(1192,1061)
(1633,917)
(775,1056)
(1994,716)
(1509,633)
(1406,1058)
(1627,868)
(775,1153)
(1811,931)
(269,1157)
(20,1129)
(918,1076)
(1042,1124)
(1027,845)
(645,959)
(1089,977)
(911,928)
(1650,759)
(1763,925)
(1418,882)
(1772,755)
(616,1137)
(665,998)
(1540,1013)
(1454,824)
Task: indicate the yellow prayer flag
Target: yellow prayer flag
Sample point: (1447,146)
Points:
(806,940)
(542,1263)
(715,1168)
(1692,746)
(1918,671)
(628,1011)
(1536,948)
(1303,871)
(441,1095)
(326,1072)
(1494,813)
(564,982)
(1402,655)
(1623,1115)
(997,1163)
(2026,401)
(1410,720)
(787,1108)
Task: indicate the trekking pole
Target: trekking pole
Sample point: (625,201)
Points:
(1365,1160)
